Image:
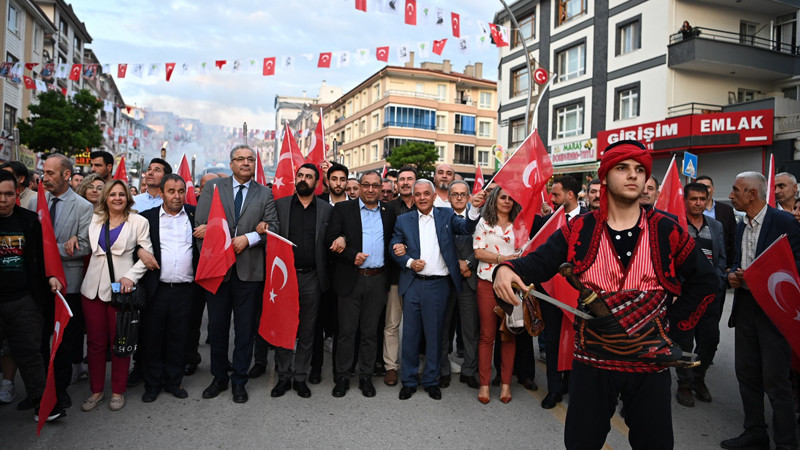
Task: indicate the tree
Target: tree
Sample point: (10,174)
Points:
(65,125)
(421,155)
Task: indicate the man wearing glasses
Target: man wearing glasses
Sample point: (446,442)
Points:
(246,203)
(358,236)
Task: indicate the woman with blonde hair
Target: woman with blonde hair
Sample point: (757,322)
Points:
(90,188)
(115,228)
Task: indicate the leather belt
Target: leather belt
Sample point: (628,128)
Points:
(306,270)
(174,285)
(430,277)
(370,272)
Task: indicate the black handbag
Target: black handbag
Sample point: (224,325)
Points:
(136,298)
(126,338)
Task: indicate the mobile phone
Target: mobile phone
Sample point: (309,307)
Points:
(115,288)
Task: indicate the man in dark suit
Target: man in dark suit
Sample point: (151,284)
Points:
(425,249)
(304,221)
(762,354)
(246,203)
(359,235)
(724,215)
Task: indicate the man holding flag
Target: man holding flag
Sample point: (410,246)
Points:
(22,276)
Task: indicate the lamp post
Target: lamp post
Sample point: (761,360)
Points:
(194,160)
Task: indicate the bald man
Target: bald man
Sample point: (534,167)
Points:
(442,177)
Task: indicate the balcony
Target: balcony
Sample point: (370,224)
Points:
(468,131)
(411,94)
(409,124)
(727,53)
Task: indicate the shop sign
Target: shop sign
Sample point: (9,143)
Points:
(574,152)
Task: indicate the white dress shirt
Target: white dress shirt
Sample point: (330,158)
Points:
(252,237)
(175,234)
(429,247)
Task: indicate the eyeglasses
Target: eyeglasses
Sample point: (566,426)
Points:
(459,194)
(373,186)
(242,159)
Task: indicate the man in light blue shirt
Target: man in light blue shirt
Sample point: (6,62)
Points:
(151,198)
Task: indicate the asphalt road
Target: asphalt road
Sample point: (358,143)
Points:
(322,421)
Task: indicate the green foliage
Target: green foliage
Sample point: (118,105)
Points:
(421,155)
(60,124)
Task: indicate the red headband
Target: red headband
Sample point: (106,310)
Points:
(613,157)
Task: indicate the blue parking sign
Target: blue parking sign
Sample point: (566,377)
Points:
(689,165)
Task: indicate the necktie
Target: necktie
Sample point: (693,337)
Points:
(237,203)
(53,204)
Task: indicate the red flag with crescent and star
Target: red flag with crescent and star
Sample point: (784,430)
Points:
(29,83)
(122,69)
(283,184)
(438,46)
(316,154)
(455,21)
(170,67)
(411,12)
(361,5)
(217,254)
(52,258)
(261,178)
(773,281)
(281,304)
(479,181)
(75,72)
(186,174)
(269,66)
(324,61)
(670,196)
(382,54)
(523,176)
(497,35)
(49,398)
(121,173)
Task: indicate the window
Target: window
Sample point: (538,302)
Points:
(484,129)
(62,28)
(570,9)
(9,119)
(375,152)
(376,92)
(441,122)
(349,134)
(464,154)
(527,31)
(790,92)
(402,116)
(572,62)
(747,32)
(519,82)
(629,36)
(483,158)
(485,100)
(517,133)
(375,122)
(76,44)
(37,38)
(440,151)
(441,92)
(13,19)
(465,124)
(569,120)
(389,143)
(627,102)
(349,107)
(363,156)
(420,88)
(745,95)
(363,129)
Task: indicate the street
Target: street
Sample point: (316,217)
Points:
(457,421)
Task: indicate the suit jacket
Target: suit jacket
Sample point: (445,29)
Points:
(775,224)
(346,221)
(324,209)
(466,252)
(447,224)
(719,256)
(73,215)
(153,215)
(724,214)
(258,207)
(135,233)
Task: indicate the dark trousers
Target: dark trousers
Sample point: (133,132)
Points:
(593,400)
(240,298)
(360,310)
(467,303)
(703,340)
(71,349)
(326,326)
(196,309)
(424,307)
(166,331)
(308,284)
(21,325)
(552,317)
(762,361)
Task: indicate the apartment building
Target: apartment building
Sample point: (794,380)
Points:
(726,90)
(66,44)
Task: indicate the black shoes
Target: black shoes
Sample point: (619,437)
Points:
(746,440)
(281,387)
(190,369)
(469,381)
(684,395)
(315,377)
(135,376)
(342,385)
(64,401)
(551,399)
(27,403)
(302,389)
(239,393)
(379,370)
(444,381)
(177,391)
(434,392)
(407,391)
(701,390)
(366,387)
(257,370)
(55,414)
(150,394)
(213,389)
(528,384)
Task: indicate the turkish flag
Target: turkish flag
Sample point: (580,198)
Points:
(324,60)
(283,184)
(122,69)
(186,174)
(260,177)
(29,83)
(31,66)
(316,154)
(361,5)
(382,53)
(438,46)
(75,72)
(479,181)
(455,21)
(220,63)
(670,196)
(121,173)
(411,12)
(773,281)
(281,305)
(216,255)
(48,401)
(771,181)
(523,176)
(269,66)
(497,35)
(52,259)
(169,68)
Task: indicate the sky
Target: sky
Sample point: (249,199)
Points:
(193,31)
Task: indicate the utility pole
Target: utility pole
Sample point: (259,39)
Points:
(244,132)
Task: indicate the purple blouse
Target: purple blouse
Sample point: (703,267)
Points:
(114,235)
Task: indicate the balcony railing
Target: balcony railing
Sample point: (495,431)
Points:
(459,130)
(692,108)
(412,94)
(405,124)
(735,38)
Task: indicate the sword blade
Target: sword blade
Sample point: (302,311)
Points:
(559,304)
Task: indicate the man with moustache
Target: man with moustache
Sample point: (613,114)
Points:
(352,189)
(723,213)
(650,193)
(151,198)
(337,181)
(75,180)
(593,195)
(102,162)
(442,177)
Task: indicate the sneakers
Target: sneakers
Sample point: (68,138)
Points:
(7,392)
(55,414)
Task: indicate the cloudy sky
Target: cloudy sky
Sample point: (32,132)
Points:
(193,31)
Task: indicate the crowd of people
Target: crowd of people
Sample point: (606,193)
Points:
(372,253)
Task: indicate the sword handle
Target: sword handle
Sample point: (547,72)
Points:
(587,296)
